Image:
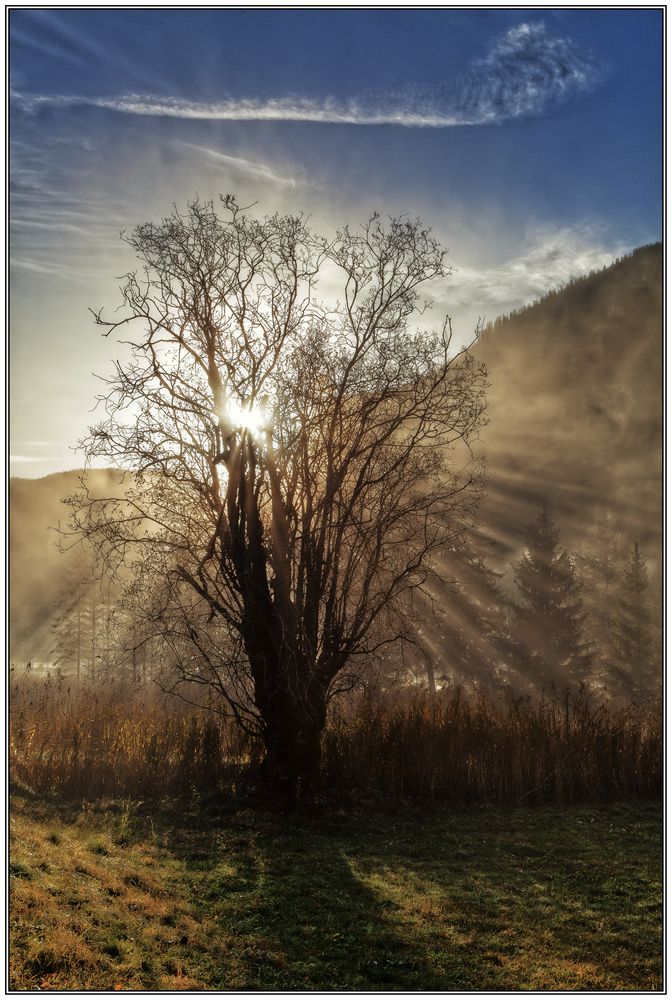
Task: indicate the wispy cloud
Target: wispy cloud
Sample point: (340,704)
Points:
(548,260)
(237,164)
(526,72)
(39,457)
(39,444)
(39,266)
(34,466)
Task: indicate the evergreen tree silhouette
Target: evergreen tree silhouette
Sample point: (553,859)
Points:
(71,624)
(548,621)
(635,659)
(473,635)
(600,564)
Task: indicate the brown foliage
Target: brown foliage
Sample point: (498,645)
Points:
(110,740)
(452,748)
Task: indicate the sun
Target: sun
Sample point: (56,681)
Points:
(246,416)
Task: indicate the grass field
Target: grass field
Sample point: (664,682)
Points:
(122,895)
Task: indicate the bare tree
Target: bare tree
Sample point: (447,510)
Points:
(293,466)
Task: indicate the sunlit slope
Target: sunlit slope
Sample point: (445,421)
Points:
(40,574)
(575,405)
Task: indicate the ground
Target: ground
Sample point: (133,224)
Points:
(127,895)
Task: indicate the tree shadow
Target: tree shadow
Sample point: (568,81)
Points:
(292,911)
(362,902)
(380,898)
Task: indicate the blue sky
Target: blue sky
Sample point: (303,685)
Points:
(529,139)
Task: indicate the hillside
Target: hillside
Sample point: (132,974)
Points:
(39,570)
(575,406)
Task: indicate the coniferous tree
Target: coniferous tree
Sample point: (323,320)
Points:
(67,633)
(71,624)
(548,620)
(600,564)
(460,634)
(657,611)
(84,639)
(635,663)
(471,634)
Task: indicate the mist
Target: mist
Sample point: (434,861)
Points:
(573,423)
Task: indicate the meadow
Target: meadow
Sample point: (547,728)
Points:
(124,895)
(456,845)
(113,739)
(337,411)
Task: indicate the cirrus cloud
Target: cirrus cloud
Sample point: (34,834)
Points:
(549,259)
(526,72)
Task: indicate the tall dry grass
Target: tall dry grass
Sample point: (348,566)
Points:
(109,739)
(112,740)
(465,750)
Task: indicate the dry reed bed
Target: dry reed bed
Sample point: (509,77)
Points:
(108,739)
(111,740)
(451,748)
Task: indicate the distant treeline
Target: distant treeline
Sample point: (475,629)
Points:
(580,283)
(541,687)
(592,618)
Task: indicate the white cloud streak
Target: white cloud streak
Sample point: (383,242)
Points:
(237,164)
(39,444)
(38,266)
(549,260)
(527,71)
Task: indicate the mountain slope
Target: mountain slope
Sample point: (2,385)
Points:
(575,405)
(41,561)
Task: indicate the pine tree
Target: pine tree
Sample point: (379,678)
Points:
(67,633)
(71,621)
(82,639)
(600,564)
(472,639)
(635,660)
(548,621)
(657,613)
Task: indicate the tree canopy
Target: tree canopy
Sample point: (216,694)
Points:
(293,465)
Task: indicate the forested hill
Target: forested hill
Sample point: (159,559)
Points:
(575,406)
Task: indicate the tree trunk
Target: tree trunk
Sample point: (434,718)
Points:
(431,680)
(293,743)
(291,766)
(290,699)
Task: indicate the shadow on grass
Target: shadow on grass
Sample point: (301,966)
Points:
(309,902)
(372,898)
(297,905)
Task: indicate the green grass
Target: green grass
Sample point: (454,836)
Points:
(236,898)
